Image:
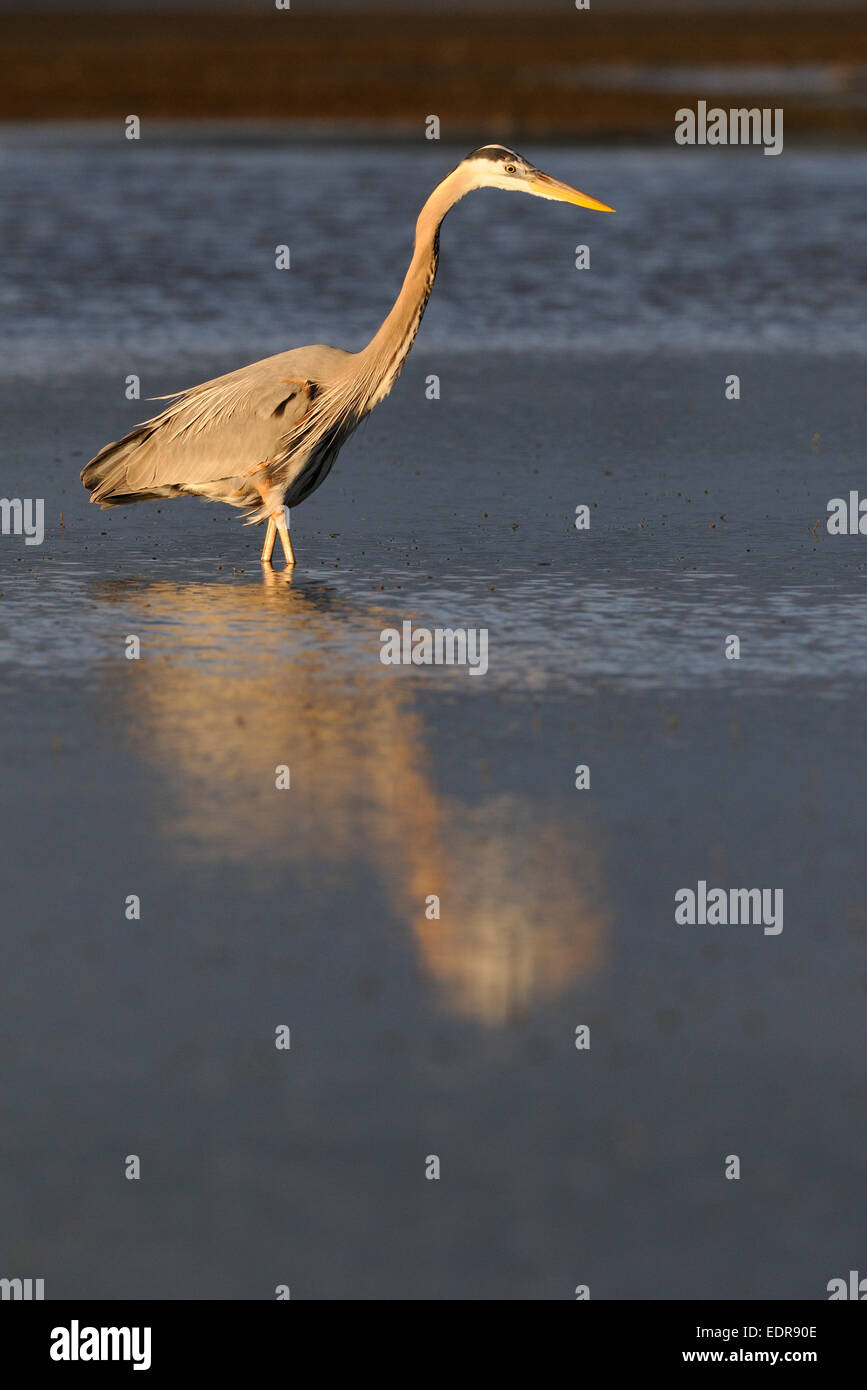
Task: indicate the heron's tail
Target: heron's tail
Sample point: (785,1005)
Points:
(105,477)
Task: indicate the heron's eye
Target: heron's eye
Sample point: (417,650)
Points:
(510,169)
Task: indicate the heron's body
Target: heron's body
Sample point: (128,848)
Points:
(265,436)
(218,439)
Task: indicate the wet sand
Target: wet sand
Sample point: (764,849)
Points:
(455,1037)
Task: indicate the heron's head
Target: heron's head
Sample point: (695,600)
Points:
(495,166)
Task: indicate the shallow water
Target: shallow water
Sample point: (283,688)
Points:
(454,1036)
(128,252)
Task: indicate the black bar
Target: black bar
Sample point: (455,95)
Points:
(223,1338)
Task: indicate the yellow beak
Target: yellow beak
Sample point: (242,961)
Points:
(546,187)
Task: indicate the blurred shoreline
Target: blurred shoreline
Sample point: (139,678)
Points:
(577,75)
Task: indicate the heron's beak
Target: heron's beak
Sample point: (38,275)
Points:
(546,187)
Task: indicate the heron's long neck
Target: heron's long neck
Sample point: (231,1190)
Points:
(386,352)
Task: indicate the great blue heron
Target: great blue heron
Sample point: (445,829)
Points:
(265,436)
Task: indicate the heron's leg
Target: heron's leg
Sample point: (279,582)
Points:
(270,537)
(284,536)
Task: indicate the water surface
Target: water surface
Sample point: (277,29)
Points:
(414,1034)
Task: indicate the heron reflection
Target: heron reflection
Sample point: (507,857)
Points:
(243,679)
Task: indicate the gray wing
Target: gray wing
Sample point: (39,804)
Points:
(223,428)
